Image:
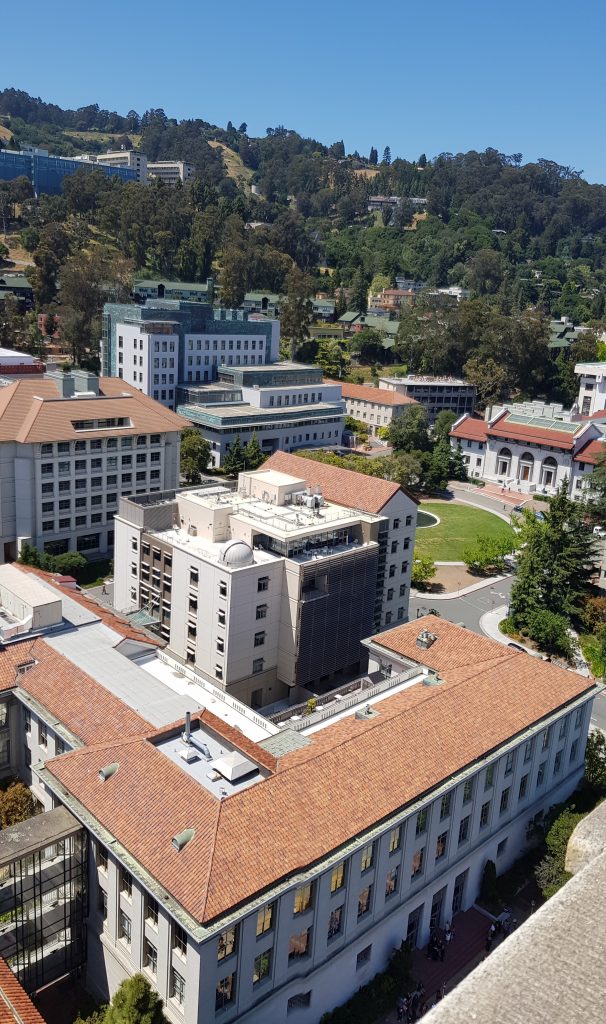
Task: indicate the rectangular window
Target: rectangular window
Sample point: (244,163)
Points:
(541,773)
(417,863)
(489,777)
(302,899)
(468,791)
(262,583)
(504,805)
(485,814)
(464,830)
(150,957)
(337,877)
(102,859)
(27,720)
(363,957)
(259,639)
(364,901)
(299,945)
(261,612)
(523,787)
(421,822)
(557,763)
(151,911)
(102,904)
(391,881)
(42,735)
(180,940)
(445,806)
(578,718)
(367,857)
(126,883)
(262,966)
(573,751)
(564,727)
(528,749)
(257,666)
(509,762)
(441,845)
(395,838)
(545,738)
(335,922)
(124,928)
(265,918)
(177,987)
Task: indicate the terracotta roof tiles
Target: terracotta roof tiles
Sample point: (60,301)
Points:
(592,452)
(471,429)
(366,393)
(16,1006)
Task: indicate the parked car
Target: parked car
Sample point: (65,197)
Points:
(517,647)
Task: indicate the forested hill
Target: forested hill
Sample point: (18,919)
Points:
(520,234)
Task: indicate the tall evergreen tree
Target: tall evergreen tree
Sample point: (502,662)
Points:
(297,310)
(374,156)
(253,454)
(233,463)
(387,156)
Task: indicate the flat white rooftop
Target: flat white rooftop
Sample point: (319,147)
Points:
(211,762)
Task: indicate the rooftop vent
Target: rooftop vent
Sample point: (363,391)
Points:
(107,772)
(183,838)
(425,639)
(366,713)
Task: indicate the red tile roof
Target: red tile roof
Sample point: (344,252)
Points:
(343,486)
(471,429)
(592,452)
(600,414)
(16,1006)
(71,696)
(261,835)
(525,433)
(366,393)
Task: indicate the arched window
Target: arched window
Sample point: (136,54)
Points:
(526,466)
(503,462)
(549,470)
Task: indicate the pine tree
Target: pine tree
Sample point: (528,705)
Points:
(233,463)
(458,469)
(374,156)
(387,156)
(135,1002)
(359,288)
(253,455)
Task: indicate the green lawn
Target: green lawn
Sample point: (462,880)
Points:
(460,526)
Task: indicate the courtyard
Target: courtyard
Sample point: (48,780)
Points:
(459,527)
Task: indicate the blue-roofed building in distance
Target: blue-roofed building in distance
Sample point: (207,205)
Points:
(46,172)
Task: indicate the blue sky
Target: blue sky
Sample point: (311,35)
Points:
(420,77)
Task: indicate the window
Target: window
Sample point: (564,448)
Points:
(337,877)
(464,830)
(257,666)
(102,904)
(265,918)
(335,922)
(180,940)
(395,838)
(263,583)
(563,727)
(262,966)
(394,547)
(541,773)
(441,845)
(509,761)
(367,857)
(298,945)
(485,814)
(298,1001)
(364,900)
(489,777)
(363,957)
(421,822)
(417,863)
(545,738)
(27,720)
(392,571)
(42,735)
(501,847)
(573,751)
(102,859)
(528,750)
(557,763)
(261,612)
(177,987)
(302,899)
(150,957)
(124,929)
(504,805)
(391,881)
(468,791)
(259,639)
(151,911)
(126,883)
(578,718)
(445,806)
(523,787)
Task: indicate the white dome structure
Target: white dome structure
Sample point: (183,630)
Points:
(236,553)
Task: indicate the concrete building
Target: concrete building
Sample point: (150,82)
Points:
(46,172)
(377,497)
(254,870)
(591,399)
(70,446)
(374,407)
(125,158)
(159,345)
(15,365)
(186,291)
(263,589)
(171,171)
(392,300)
(286,405)
(435,394)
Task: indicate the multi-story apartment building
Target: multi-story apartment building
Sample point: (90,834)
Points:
(255,870)
(157,346)
(70,446)
(267,590)
(125,158)
(46,172)
(375,407)
(286,405)
(379,497)
(171,171)
(434,393)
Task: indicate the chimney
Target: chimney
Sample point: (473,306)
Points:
(187,733)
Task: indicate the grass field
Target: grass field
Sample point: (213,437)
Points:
(233,164)
(459,527)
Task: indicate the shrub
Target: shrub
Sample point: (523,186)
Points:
(550,873)
(593,613)
(507,627)
(550,631)
(423,570)
(595,761)
(16,804)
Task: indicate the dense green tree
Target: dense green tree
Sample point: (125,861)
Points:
(297,311)
(234,461)
(195,454)
(423,570)
(333,358)
(135,1002)
(408,432)
(359,292)
(16,804)
(489,378)
(253,453)
(595,760)
(443,425)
